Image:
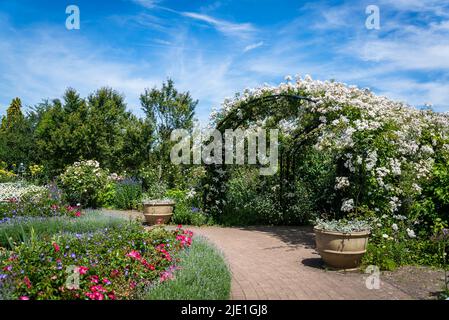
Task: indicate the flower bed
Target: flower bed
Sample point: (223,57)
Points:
(110,264)
(35,201)
(14,191)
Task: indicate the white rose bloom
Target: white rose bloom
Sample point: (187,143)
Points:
(395,227)
(348,205)
(411,233)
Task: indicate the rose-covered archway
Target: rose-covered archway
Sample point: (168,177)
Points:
(384,154)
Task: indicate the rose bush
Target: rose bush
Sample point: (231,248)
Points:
(109,264)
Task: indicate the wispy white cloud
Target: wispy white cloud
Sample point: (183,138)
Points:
(241,30)
(253,46)
(149,4)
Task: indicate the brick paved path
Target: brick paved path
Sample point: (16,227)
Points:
(280,263)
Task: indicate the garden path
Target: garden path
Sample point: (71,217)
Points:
(281,263)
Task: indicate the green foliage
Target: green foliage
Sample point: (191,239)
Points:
(83,182)
(185,211)
(128,194)
(202,275)
(106,196)
(16,139)
(98,127)
(397,240)
(167,109)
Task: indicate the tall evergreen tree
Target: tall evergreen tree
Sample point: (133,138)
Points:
(16,143)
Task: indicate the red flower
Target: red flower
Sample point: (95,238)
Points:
(55,245)
(132,284)
(78,214)
(27,282)
(179,226)
(111,296)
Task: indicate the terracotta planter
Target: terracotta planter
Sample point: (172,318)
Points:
(341,250)
(158,211)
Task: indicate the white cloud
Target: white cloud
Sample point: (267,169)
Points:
(149,4)
(253,46)
(241,30)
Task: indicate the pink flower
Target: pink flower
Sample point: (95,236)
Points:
(78,214)
(7,268)
(132,284)
(94,279)
(55,245)
(54,207)
(98,288)
(95,295)
(179,226)
(24,298)
(82,270)
(106,281)
(111,296)
(134,254)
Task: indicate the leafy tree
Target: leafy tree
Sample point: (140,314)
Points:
(168,110)
(97,128)
(16,143)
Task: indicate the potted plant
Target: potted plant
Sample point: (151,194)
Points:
(158,211)
(341,243)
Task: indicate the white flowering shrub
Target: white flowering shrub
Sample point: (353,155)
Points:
(83,183)
(386,153)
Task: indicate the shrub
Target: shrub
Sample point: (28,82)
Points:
(185,212)
(114,263)
(128,194)
(83,182)
(106,196)
(395,241)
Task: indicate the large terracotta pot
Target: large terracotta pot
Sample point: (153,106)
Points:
(158,211)
(341,250)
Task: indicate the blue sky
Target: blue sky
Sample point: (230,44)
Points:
(217,48)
